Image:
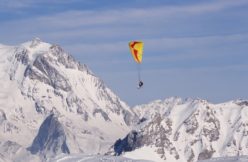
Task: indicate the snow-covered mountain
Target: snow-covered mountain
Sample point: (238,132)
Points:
(52,105)
(187,130)
(39,79)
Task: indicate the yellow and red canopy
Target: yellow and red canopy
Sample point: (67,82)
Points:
(136,49)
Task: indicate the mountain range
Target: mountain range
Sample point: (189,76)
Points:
(188,130)
(52,106)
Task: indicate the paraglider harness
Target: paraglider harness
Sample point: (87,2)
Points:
(140,84)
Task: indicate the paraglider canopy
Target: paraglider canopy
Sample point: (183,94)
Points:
(136,49)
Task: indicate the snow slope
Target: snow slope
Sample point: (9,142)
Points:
(189,130)
(92,158)
(38,79)
(228,159)
(146,153)
(52,105)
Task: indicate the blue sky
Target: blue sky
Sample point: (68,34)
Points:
(193,48)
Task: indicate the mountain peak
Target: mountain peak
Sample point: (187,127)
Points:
(51,138)
(44,78)
(35,45)
(36,41)
(191,129)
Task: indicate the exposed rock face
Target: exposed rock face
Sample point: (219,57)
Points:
(103,114)
(63,58)
(206,154)
(189,130)
(2,116)
(153,133)
(211,127)
(51,138)
(44,78)
(13,152)
(191,124)
(10,147)
(49,74)
(132,141)
(22,56)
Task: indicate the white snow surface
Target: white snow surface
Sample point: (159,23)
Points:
(39,78)
(195,128)
(136,156)
(92,158)
(228,159)
(145,153)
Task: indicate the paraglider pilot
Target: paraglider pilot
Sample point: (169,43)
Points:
(140,84)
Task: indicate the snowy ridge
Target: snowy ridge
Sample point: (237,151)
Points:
(55,107)
(189,130)
(39,79)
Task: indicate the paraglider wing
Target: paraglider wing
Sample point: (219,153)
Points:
(136,49)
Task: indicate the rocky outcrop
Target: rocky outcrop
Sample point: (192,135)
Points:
(2,116)
(22,55)
(63,58)
(132,141)
(51,138)
(190,130)
(53,77)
